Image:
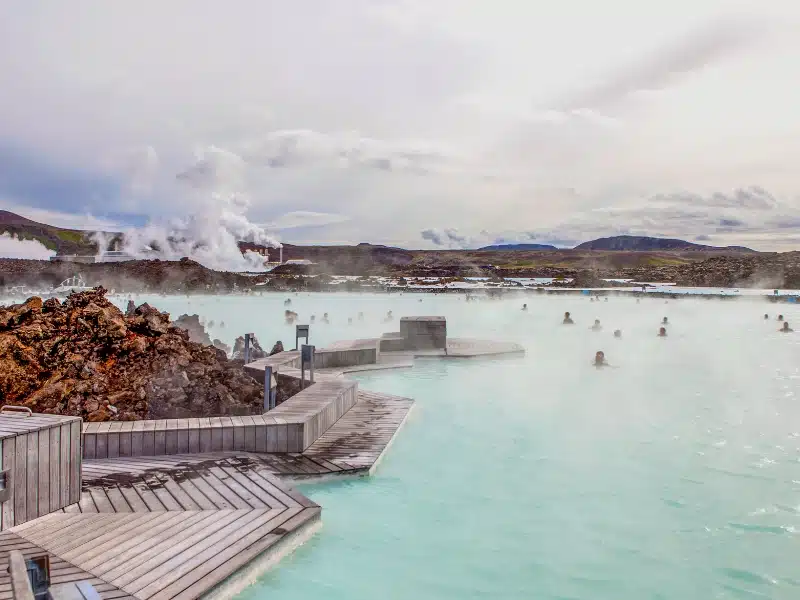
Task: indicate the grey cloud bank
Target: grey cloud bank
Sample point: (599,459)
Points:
(364,121)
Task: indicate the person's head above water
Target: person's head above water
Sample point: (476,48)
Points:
(780,317)
(662,332)
(599,357)
(786,326)
(665,320)
(617,333)
(524,307)
(766,316)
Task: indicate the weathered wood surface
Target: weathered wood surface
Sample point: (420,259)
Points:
(291,427)
(361,436)
(170,527)
(42,454)
(61,571)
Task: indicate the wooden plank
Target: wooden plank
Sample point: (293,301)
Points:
(9,454)
(212,566)
(55,467)
(44,472)
(160,437)
(134,542)
(113,444)
(137,438)
(238,434)
(117,567)
(205,437)
(89,445)
(171,437)
(125,438)
(148,438)
(249,434)
(20,584)
(63,467)
(20,480)
(183,436)
(190,553)
(184,545)
(32,468)
(109,542)
(76,457)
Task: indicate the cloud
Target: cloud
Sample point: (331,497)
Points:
(13,247)
(64,220)
(301,218)
(697,49)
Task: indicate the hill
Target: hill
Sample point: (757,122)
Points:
(507,247)
(63,241)
(635,243)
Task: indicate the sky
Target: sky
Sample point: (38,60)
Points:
(422,124)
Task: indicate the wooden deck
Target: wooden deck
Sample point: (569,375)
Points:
(176,529)
(61,571)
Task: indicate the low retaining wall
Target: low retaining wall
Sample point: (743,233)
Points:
(291,427)
(325,358)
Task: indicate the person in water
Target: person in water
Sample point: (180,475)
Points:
(567,319)
(524,307)
(665,321)
(600,359)
(786,328)
(325,318)
(617,333)
(313,318)
(780,317)
(597,326)
(766,316)
(662,332)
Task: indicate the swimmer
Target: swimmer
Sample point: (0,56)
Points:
(780,317)
(325,318)
(313,318)
(617,333)
(665,321)
(597,326)
(600,359)
(591,299)
(567,320)
(524,307)
(766,316)
(662,332)
(786,328)
(389,317)
(287,302)
(606,299)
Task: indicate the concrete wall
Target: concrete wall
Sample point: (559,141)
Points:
(345,358)
(424,333)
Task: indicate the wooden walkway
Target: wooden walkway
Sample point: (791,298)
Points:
(61,571)
(172,530)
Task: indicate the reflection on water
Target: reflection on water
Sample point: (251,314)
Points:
(675,475)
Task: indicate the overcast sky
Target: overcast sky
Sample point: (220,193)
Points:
(405,122)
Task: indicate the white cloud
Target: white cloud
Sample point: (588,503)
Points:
(304,218)
(400,114)
(13,247)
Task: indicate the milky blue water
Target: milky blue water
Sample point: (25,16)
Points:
(674,476)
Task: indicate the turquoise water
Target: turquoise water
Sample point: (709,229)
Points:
(674,476)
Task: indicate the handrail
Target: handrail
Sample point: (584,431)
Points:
(16,409)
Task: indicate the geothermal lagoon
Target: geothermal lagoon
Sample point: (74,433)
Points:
(674,475)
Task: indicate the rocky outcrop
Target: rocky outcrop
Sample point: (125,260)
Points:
(256,351)
(86,358)
(196,330)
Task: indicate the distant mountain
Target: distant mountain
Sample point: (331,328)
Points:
(63,241)
(635,243)
(508,247)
